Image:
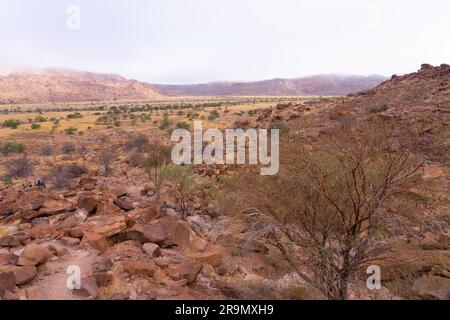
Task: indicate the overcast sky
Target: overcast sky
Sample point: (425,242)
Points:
(190,41)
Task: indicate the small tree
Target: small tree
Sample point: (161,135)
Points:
(157,158)
(106,159)
(322,209)
(58,175)
(68,148)
(182,185)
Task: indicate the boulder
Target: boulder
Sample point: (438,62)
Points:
(123,204)
(22,274)
(10,241)
(7,281)
(107,208)
(145,268)
(87,202)
(43,231)
(70,242)
(96,241)
(186,270)
(108,226)
(432,287)
(152,249)
(33,254)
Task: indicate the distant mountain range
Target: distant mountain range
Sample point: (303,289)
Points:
(319,85)
(63,85)
(21,86)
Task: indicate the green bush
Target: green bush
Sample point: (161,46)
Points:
(35,126)
(11,123)
(70,131)
(183,125)
(11,147)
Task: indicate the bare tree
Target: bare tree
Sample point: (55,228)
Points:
(107,157)
(321,211)
(19,167)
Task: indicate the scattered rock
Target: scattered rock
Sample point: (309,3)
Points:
(432,287)
(33,255)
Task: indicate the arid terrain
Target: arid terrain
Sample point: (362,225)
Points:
(364,181)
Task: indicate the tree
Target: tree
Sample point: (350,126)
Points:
(107,157)
(322,209)
(157,158)
(182,185)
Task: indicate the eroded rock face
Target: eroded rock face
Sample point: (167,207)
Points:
(432,287)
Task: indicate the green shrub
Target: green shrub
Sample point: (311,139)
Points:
(183,125)
(11,147)
(35,126)
(70,131)
(11,123)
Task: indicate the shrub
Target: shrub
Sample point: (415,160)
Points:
(68,148)
(280,125)
(20,167)
(11,123)
(46,150)
(106,158)
(165,123)
(11,147)
(181,185)
(213,115)
(157,158)
(378,108)
(76,170)
(35,126)
(70,131)
(183,125)
(140,142)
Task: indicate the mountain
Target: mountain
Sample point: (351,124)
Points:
(319,85)
(64,85)
(430,86)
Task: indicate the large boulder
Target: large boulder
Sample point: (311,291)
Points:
(7,281)
(109,225)
(432,287)
(87,202)
(96,241)
(165,232)
(23,274)
(145,268)
(33,254)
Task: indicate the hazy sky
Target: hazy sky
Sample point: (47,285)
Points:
(188,41)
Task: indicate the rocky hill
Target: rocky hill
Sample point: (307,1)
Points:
(63,85)
(427,87)
(319,85)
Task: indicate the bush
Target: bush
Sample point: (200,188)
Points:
(19,168)
(46,150)
(378,108)
(35,126)
(280,125)
(182,185)
(76,170)
(68,148)
(165,123)
(183,125)
(213,115)
(106,159)
(70,131)
(140,142)
(11,123)
(11,147)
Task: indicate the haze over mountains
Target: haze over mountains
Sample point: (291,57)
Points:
(318,85)
(64,85)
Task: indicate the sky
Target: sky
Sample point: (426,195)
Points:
(193,41)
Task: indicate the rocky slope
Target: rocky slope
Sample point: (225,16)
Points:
(61,85)
(320,85)
(430,86)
